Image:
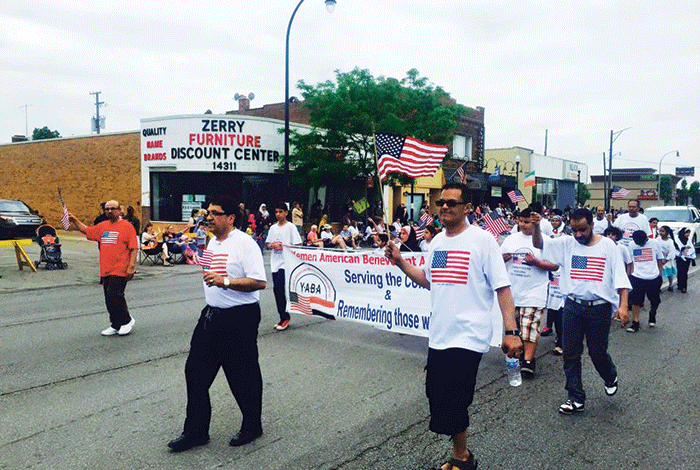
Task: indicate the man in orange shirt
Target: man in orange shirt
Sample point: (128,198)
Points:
(118,250)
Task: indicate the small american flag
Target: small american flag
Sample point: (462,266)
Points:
(462,175)
(205,259)
(587,268)
(218,263)
(109,237)
(495,224)
(643,254)
(516,196)
(618,192)
(450,267)
(426,218)
(65,220)
(407,155)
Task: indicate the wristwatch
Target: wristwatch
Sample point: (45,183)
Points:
(227,282)
(512,333)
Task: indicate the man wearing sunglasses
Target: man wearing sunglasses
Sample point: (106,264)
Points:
(463,270)
(226,335)
(118,245)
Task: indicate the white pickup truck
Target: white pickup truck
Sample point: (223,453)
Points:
(677,217)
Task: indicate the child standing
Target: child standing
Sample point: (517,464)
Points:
(669,248)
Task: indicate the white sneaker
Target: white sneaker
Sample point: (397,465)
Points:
(126,329)
(109,332)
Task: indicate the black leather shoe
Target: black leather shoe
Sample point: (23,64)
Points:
(242,438)
(187,441)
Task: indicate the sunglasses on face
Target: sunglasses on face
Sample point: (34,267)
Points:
(217,213)
(449,202)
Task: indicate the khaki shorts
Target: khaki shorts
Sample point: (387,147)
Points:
(529,322)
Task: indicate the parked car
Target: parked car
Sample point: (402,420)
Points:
(18,220)
(677,217)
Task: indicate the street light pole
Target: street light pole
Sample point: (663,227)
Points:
(330,6)
(613,138)
(658,177)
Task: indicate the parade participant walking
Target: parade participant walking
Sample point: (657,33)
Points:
(281,233)
(227,331)
(686,255)
(528,274)
(669,248)
(463,270)
(594,280)
(631,222)
(600,222)
(647,263)
(119,248)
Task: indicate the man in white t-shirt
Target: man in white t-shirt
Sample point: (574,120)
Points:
(631,222)
(226,334)
(600,222)
(529,278)
(593,279)
(463,270)
(280,234)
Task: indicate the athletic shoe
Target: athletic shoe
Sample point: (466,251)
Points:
(527,369)
(126,329)
(611,389)
(652,324)
(546,331)
(633,328)
(570,407)
(281,326)
(109,332)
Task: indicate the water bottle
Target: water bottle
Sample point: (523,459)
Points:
(513,367)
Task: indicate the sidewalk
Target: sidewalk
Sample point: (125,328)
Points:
(82,258)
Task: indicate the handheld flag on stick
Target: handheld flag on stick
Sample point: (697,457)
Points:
(495,224)
(64,218)
(462,174)
(516,196)
(407,155)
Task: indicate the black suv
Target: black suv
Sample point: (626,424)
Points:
(17,220)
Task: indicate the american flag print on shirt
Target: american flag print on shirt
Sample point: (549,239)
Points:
(643,254)
(109,237)
(450,267)
(587,268)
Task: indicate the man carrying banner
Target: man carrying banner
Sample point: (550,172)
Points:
(118,247)
(226,334)
(593,279)
(464,268)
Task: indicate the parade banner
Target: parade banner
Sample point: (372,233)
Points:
(362,287)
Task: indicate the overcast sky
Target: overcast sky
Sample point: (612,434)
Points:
(578,69)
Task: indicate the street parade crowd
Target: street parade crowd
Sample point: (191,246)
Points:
(570,272)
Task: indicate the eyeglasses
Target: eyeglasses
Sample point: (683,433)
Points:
(217,213)
(449,202)
(111,208)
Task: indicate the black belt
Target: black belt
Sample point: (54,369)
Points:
(587,303)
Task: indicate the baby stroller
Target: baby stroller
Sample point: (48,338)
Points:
(50,248)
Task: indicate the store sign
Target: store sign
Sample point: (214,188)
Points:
(496,191)
(571,170)
(207,142)
(647,194)
(685,171)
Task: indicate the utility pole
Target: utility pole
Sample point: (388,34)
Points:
(545,141)
(98,103)
(613,138)
(26,121)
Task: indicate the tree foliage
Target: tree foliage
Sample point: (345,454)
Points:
(345,113)
(694,193)
(44,133)
(583,194)
(665,190)
(682,194)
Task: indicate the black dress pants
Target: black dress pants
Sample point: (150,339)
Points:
(225,338)
(278,290)
(114,287)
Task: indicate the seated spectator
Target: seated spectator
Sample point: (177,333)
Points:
(312,237)
(173,241)
(347,236)
(380,241)
(150,244)
(330,240)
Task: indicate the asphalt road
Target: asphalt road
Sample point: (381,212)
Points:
(337,395)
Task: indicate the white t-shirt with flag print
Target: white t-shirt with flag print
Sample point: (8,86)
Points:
(589,272)
(464,271)
(236,256)
(629,225)
(645,259)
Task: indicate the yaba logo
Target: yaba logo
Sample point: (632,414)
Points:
(520,254)
(310,289)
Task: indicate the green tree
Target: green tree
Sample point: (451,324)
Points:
(583,193)
(665,190)
(345,113)
(44,133)
(694,193)
(682,194)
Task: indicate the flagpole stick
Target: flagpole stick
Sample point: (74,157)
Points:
(385,201)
